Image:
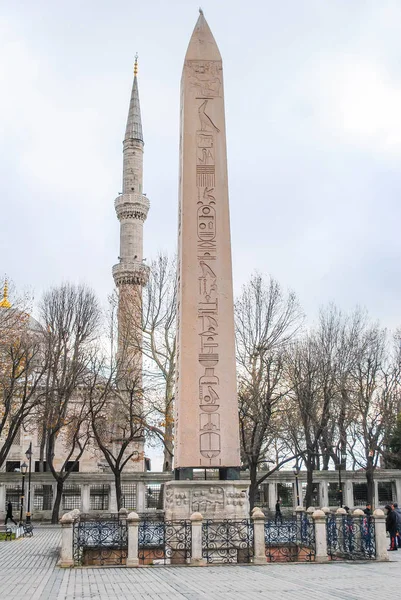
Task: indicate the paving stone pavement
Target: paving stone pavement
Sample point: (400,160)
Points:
(28,572)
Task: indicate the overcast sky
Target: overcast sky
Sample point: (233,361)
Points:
(313,101)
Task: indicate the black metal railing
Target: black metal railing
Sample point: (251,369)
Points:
(292,540)
(164,542)
(100,540)
(227,541)
(350,538)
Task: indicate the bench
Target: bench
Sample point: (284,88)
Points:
(28,530)
(7,531)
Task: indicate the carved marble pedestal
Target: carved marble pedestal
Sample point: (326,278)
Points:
(215,500)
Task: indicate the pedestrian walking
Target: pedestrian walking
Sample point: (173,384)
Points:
(279,516)
(368,510)
(391,526)
(9,514)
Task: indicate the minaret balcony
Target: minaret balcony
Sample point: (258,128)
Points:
(132,206)
(130,272)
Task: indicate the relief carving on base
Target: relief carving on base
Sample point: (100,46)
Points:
(208,500)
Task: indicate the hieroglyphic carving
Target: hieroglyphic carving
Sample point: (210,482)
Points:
(204,77)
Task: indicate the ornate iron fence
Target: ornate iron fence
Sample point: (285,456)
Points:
(293,540)
(164,542)
(100,540)
(227,541)
(350,538)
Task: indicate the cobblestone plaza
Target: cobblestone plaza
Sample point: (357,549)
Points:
(28,571)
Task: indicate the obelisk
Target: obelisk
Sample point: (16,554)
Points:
(206,429)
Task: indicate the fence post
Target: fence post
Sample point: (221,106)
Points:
(357,515)
(133,526)
(196,548)
(380,535)
(66,554)
(320,536)
(258,518)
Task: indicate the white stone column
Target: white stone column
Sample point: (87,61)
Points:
(85,498)
(66,555)
(196,549)
(113,499)
(2,498)
(398,489)
(320,536)
(380,535)
(348,493)
(258,518)
(375,500)
(133,526)
(140,499)
(272,495)
(323,493)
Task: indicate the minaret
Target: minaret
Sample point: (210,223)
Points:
(132,206)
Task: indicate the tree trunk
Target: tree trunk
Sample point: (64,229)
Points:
(309,482)
(168,439)
(57,502)
(117,482)
(370,483)
(253,488)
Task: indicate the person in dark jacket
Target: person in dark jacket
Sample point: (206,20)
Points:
(368,510)
(279,516)
(391,526)
(398,515)
(9,514)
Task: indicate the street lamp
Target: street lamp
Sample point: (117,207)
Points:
(342,462)
(24,469)
(28,454)
(295,470)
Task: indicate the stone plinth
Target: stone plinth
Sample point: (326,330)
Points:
(215,500)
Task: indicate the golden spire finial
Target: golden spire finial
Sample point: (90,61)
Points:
(5,303)
(136,65)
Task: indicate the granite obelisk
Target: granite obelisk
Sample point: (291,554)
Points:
(207,432)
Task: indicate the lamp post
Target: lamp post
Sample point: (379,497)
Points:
(295,470)
(24,468)
(342,458)
(28,454)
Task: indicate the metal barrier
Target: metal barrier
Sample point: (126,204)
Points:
(100,540)
(164,542)
(350,538)
(292,540)
(227,541)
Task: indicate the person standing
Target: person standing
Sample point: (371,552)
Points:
(9,514)
(279,516)
(368,510)
(391,526)
(398,517)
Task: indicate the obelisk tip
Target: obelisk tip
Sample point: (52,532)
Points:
(202,45)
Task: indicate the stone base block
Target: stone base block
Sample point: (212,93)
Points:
(213,499)
(132,562)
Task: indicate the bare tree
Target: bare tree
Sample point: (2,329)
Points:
(71,317)
(266,320)
(22,372)
(117,418)
(375,396)
(154,342)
